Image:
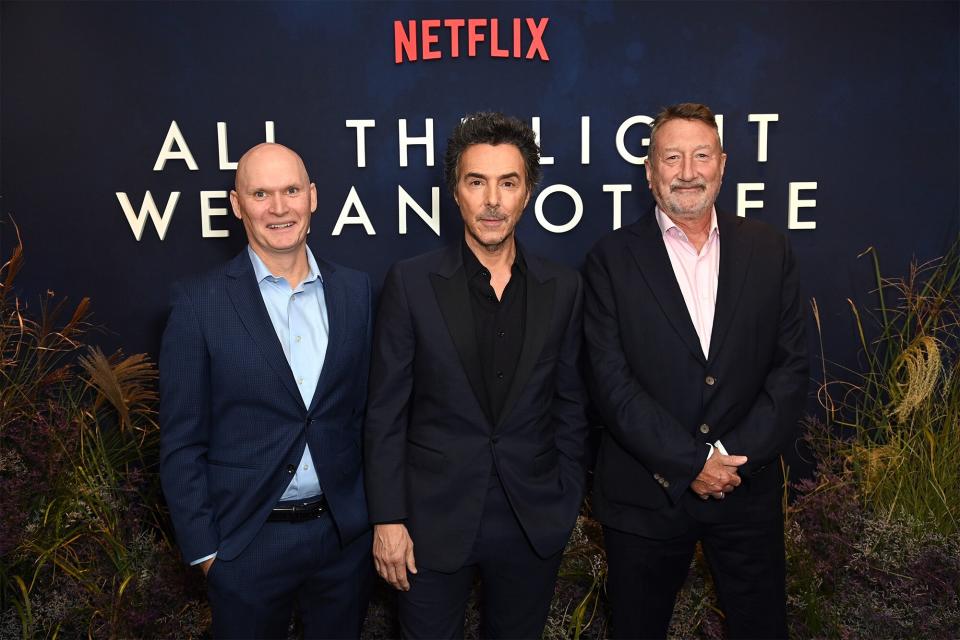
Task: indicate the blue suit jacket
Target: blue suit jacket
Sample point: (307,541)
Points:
(233,424)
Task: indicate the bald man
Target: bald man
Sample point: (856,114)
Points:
(263,376)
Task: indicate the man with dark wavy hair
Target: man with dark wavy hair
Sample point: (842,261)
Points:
(475,427)
(695,337)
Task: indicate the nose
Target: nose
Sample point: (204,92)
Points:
(687,170)
(278,203)
(492,194)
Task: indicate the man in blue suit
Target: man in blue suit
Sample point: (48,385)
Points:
(263,375)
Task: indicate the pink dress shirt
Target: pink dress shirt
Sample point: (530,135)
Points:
(697,273)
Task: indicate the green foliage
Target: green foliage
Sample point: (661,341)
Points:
(577,610)
(82,549)
(899,419)
(854,572)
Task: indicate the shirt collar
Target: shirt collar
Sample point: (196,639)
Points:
(473,266)
(262,273)
(665,223)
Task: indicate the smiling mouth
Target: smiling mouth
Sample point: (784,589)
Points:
(285,225)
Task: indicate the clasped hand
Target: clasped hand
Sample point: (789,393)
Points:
(718,477)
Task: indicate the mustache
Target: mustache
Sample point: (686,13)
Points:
(684,184)
(492,213)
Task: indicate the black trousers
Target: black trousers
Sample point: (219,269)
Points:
(516,585)
(288,563)
(748,567)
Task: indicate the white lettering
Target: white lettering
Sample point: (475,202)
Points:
(535,125)
(577,208)
(149,208)
(406,141)
(622,134)
(763,120)
(405,201)
(353,202)
(617,190)
(584,139)
(743,204)
(167,152)
(795,203)
(361,126)
(207,211)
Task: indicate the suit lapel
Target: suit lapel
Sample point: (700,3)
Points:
(539,311)
(245,295)
(651,256)
(735,254)
(450,287)
(334,295)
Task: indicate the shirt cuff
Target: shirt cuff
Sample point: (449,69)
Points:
(203,559)
(719,447)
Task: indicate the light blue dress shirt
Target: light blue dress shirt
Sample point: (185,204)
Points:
(299,317)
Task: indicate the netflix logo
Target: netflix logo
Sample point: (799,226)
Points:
(451,37)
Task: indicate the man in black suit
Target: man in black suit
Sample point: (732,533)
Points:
(475,425)
(695,338)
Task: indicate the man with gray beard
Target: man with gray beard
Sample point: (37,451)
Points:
(696,344)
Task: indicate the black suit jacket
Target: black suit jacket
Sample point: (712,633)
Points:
(430,449)
(233,425)
(662,401)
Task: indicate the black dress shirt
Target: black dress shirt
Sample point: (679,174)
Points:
(499,327)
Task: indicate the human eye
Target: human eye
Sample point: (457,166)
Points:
(293,190)
(671,157)
(259,194)
(508,184)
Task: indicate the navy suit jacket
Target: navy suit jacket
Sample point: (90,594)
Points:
(431,449)
(662,400)
(233,425)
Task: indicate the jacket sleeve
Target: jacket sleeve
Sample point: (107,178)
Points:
(638,423)
(388,400)
(569,400)
(771,422)
(185,429)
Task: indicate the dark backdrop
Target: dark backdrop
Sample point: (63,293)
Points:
(866,98)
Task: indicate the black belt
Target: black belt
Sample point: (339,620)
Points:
(298,511)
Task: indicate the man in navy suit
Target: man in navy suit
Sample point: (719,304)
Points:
(475,427)
(263,375)
(695,336)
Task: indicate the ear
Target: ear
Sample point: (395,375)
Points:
(313,197)
(235,203)
(723,164)
(648,170)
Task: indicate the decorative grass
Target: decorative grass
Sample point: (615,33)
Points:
(83,548)
(896,424)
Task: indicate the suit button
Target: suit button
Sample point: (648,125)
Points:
(666,484)
(291,468)
(704,428)
(710,380)
(495,439)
